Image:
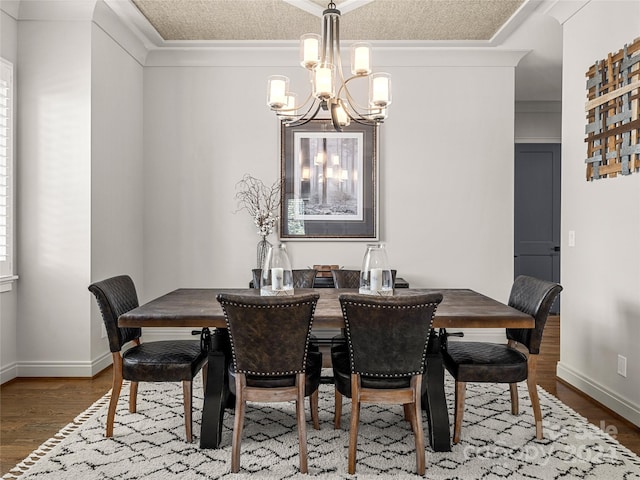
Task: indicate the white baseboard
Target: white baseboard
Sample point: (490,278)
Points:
(101,363)
(58,368)
(621,406)
(55,369)
(8,372)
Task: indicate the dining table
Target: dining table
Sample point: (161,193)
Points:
(199,308)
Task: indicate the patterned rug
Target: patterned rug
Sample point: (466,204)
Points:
(495,444)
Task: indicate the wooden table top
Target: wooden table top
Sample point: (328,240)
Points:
(198,307)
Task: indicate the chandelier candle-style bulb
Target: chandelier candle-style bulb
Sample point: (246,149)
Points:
(277,91)
(339,114)
(309,50)
(361,59)
(380,90)
(330,88)
(289,110)
(323,76)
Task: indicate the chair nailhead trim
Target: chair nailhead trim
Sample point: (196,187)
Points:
(391,307)
(268,374)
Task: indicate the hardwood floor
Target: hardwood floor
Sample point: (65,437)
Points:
(33,409)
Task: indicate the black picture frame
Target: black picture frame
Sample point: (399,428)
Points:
(329,182)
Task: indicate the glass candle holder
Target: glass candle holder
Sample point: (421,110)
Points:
(375,274)
(277,277)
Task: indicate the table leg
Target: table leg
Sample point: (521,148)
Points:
(434,400)
(213,407)
(216,395)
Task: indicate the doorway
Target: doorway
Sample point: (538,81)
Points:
(537,212)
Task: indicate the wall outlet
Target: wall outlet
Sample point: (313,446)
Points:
(103,331)
(571,238)
(622,366)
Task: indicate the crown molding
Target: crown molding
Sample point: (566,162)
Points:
(275,55)
(111,23)
(57,10)
(11,8)
(517,19)
(562,10)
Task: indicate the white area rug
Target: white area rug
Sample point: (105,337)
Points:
(495,444)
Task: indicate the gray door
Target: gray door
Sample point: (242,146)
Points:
(537,212)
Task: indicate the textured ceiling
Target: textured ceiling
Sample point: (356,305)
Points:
(283,20)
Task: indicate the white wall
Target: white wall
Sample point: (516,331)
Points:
(446,170)
(601,274)
(8,299)
(79,181)
(446,173)
(54,195)
(538,122)
(116,173)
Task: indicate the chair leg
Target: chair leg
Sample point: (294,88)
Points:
(133,397)
(313,401)
(459,410)
(302,422)
(355,420)
(409,415)
(416,414)
(204,378)
(513,389)
(115,392)
(238,422)
(337,410)
(533,394)
(187,392)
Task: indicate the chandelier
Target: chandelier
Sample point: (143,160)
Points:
(329,88)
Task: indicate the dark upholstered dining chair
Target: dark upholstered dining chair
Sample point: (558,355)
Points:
(162,361)
(503,363)
(346,278)
(302,278)
(385,360)
(272,364)
(343,278)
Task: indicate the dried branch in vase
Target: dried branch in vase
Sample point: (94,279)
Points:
(260,201)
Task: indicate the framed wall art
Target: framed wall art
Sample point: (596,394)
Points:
(329,182)
(613,114)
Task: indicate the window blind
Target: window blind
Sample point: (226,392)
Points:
(6,168)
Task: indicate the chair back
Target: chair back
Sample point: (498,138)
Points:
(115,296)
(269,335)
(388,336)
(351,278)
(303,278)
(535,297)
(346,278)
